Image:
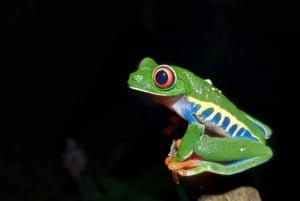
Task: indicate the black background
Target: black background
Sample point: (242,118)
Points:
(64,75)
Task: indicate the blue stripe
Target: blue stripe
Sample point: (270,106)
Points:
(240,132)
(216,118)
(232,129)
(196,107)
(207,112)
(247,134)
(193,108)
(225,123)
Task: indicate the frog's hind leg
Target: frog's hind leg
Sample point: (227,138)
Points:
(219,168)
(228,156)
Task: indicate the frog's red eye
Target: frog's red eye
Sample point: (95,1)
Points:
(164,77)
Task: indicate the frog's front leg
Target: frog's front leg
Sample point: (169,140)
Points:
(185,148)
(227,155)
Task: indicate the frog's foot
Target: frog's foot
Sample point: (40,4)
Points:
(173,150)
(180,167)
(177,168)
(191,162)
(187,164)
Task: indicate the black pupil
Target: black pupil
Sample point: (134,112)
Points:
(161,77)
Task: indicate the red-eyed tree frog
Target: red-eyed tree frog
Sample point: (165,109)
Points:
(220,138)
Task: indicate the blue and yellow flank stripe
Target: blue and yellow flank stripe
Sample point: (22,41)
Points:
(218,117)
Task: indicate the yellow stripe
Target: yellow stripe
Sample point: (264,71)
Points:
(224,113)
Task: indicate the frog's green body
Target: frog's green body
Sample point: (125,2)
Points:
(225,139)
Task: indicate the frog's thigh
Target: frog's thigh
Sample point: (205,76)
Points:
(228,149)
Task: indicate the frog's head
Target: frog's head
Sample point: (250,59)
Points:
(161,80)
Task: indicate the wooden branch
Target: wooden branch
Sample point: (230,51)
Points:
(212,187)
(244,193)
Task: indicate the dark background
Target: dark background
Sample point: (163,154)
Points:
(64,74)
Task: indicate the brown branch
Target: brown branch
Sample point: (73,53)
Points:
(244,193)
(212,187)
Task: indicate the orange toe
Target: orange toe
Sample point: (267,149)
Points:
(183,165)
